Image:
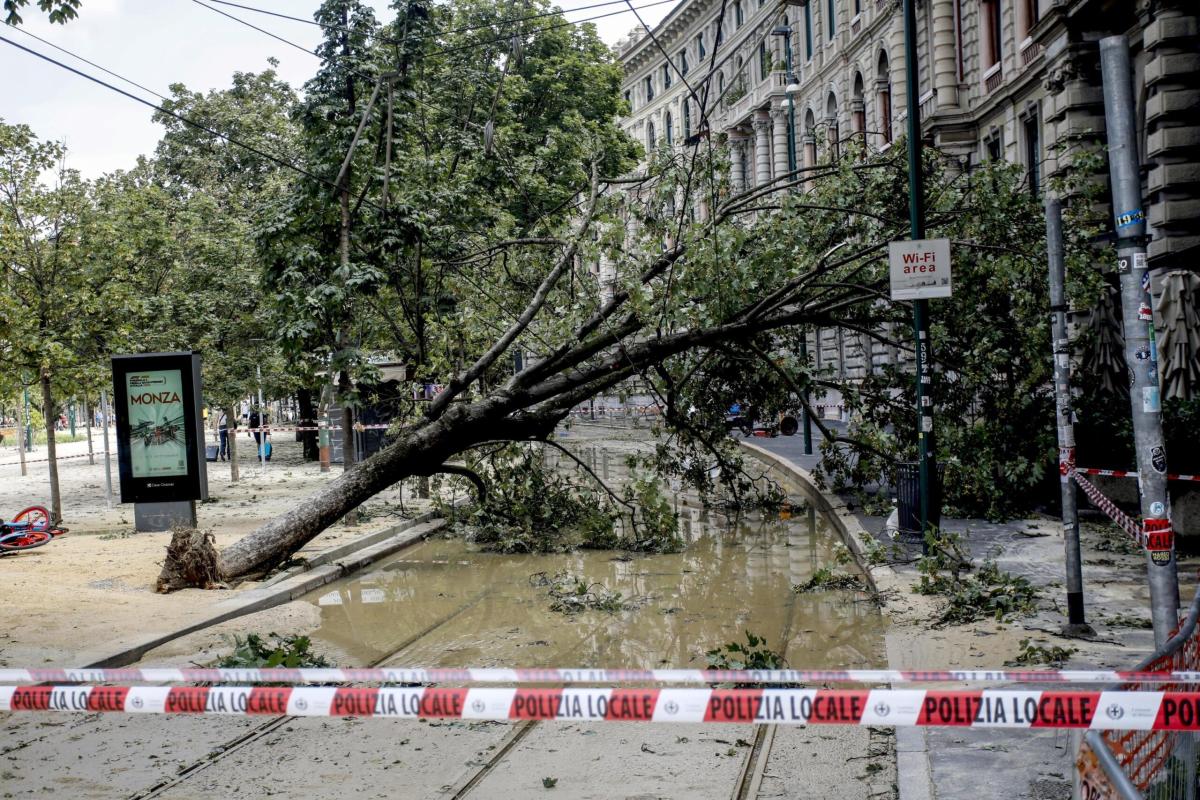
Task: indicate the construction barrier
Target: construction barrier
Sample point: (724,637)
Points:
(410,675)
(999,708)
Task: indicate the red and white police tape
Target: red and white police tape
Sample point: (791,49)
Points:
(358,426)
(1121,473)
(1119,517)
(413,675)
(1000,708)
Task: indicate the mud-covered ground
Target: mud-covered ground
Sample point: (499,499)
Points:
(86,594)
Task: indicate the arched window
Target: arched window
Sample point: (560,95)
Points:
(649,88)
(720,83)
(687,119)
(670,128)
(764,61)
(651,141)
(810,139)
(738,16)
(883,95)
(832,26)
(831,124)
(666,69)
(858,110)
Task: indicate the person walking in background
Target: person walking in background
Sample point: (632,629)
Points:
(223,433)
(259,419)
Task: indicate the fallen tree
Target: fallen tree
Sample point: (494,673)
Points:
(649,323)
(465,251)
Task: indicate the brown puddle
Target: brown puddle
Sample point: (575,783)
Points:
(446,603)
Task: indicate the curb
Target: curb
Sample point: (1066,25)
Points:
(913,777)
(332,554)
(353,556)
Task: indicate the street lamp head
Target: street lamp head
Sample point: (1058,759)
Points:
(793,86)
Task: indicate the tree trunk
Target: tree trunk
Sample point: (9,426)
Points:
(459,429)
(88,411)
(51,416)
(21,423)
(231,428)
(348,444)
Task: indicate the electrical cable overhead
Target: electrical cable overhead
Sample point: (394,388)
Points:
(184,119)
(94,64)
(255,27)
(464,29)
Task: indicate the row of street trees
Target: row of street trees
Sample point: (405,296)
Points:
(439,189)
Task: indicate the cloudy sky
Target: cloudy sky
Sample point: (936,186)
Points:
(160,42)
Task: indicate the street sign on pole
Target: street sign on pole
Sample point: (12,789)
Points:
(919,269)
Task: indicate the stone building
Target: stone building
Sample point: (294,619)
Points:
(1011,79)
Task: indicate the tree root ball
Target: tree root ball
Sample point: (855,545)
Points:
(191,562)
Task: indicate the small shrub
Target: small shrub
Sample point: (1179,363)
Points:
(533,509)
(571,594)
(754,654)
(291,652)
(829,580)
(655,525)
(1032,654)
(971,595)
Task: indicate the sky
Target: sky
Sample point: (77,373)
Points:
(160,42)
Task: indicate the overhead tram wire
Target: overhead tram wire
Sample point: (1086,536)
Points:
(105,70)
(363,76)
(176,115)
(444,51)
(464,29)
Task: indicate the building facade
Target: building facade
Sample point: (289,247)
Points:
(1011,79)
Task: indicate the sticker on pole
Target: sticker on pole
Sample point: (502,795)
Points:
(919,269)
(1160,540)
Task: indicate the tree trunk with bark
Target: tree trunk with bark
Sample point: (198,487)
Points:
(51,415)
(88,412)
(22,425)
(460,428)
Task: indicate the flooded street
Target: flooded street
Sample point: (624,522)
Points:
(445,603)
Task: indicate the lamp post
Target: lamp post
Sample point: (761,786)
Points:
(793,86)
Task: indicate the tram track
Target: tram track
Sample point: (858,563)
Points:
(216,755)
(750,776)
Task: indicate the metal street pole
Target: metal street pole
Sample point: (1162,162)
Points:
(791,88)
(108,492)
(916,213)
(1065,414)
(1141,355)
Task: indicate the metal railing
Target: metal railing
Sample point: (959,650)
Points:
(1149,765)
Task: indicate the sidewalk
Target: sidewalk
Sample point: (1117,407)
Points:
(1035,764)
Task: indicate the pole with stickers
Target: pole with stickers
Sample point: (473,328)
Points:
(1141,356)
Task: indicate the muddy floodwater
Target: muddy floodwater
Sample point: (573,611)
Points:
(447,603)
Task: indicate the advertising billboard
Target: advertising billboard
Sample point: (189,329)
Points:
(160,435)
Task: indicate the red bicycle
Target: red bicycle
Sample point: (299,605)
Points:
(30,528)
